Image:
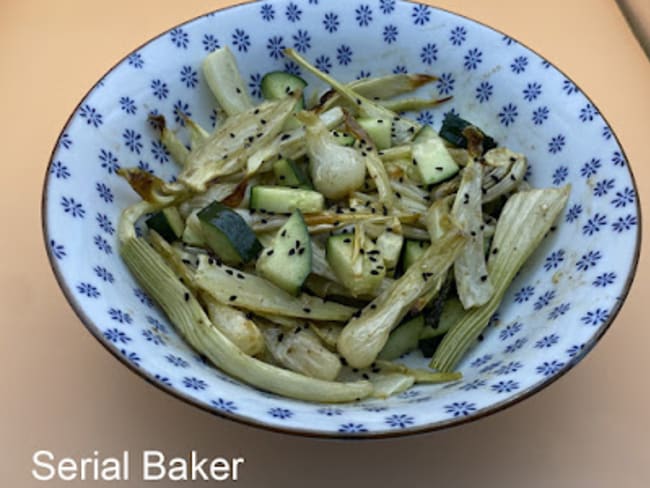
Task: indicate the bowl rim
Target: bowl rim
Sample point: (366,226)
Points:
(301,431)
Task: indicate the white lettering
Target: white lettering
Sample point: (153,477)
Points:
(235,464)
(197,467)
(220,469)
(177,469)
(67,469)
(153,460)
(36,458)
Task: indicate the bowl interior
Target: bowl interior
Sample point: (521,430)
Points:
(556,309)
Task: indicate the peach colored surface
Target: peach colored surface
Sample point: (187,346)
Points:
(60,390)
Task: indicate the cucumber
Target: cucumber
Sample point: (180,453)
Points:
(403,339)
(390,244)
(343,138)
(412,251)
(288,173)
(193,233)
(228,234)
(168,223)
(425,134)
(378,130)
(452,312)
(362,274)
(433,161)
(452,131)
(279,84)
(287,261)
(279,199)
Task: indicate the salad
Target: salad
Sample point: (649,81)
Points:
(310,241)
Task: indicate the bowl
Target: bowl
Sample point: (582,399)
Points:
(555,311)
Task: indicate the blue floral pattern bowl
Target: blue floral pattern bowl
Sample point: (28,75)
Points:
(558,307)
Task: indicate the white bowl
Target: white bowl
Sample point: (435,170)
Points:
(556,310)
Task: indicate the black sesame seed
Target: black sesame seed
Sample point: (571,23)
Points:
(232,298)
(343,361)
(355,370)
(238,90)
(484,278)
(373,306)
(232,135)
(374,272)
(270,252)
(292,251)
(186,296)
(306,310)
(365,376)
(256,111)
(241,276)
(284,137)
(347,240)
(513,159)
(301,251)
(358,100)
(283,233)
(187,261)
(230,272)
(439,168)
(513,178)
(263,121)
(280,337)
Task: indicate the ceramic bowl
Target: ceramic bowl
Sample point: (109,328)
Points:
(555,311)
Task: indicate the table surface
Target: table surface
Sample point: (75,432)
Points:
(62,391)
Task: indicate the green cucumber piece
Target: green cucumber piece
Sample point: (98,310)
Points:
(452,131)
(433,161)
(362,274)
(452,312)
(279,84)
(390,244)
(425,134)
(288,173)
(412,251)
(343,138)
(378,130)
(287,262)
(280,199)
(168,223)
(228,234)
(403,339)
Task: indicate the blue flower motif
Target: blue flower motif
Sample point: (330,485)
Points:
(606,133)
(210,43)
(445,84)
(88,290)
(267,12)
(363,15)
(484,91)
(58,250)
(421,14)
(460,409)
(429,53)
(104,274)
(214,115)
(554,260)
(275,45)
(323,63)
(144,166)
(104,192)
(390,33)
(152,337)
(556,144)
(590,168)
(480,361)
(595,317)
(574,350)
(604,279)
(386,6)
(547,341)
(505,386)
(159,152)
(532,91)
(508,40)
(135,60)
(330,411)
(510,330)
(179,38)
(128,105)
(544,299)
(163,379)
(549,368)
(559,311)
(59,170)
(292,12)
(573,213)
(587,113)
(594,224)
(181,109)
(105,223)
(344,54)
(624,197)
(132,140)
(524,294)
(255,86)
(331,22)
(515,346)
(159,89)
(425,117)
(473,385)
(119,316)
(65,141)
(189,76)
(569,88)
(301,41)
(624,223)
(519,64)
(280,413)
(458,35)
(143,297)
(511,367)
(473,58)
(363,74)
(194,383)
(224,405)
(292,68)
(400,69)
(132,357)
(92,116)
(618,159)
(116,336)
(375,408)
(588,260)
(508,114)
(352,427)
(603,187)
(72,207)
(156,324)
(490,367)
(241,40)
(177,361)
(540,114)
(560,174)
(108,161)
(399,421)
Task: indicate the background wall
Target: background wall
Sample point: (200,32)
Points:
(62,391)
